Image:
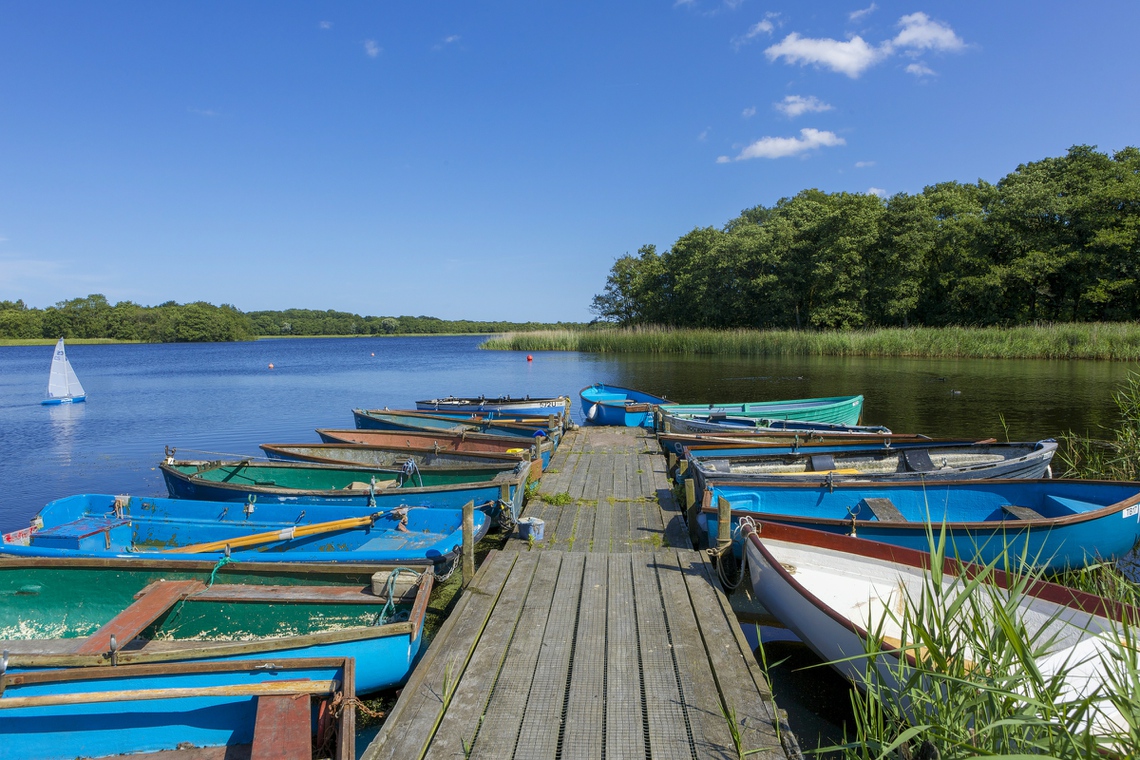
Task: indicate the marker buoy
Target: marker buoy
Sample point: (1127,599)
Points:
(373,353)
(270,365)
(529,358)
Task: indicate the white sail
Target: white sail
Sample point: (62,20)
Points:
(63,383)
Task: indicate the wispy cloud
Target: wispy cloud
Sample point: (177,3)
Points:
(704,135)
(781,147)
(797,105)
(864,164)
(324,25)
(451,39)
(919,69)
(749,112)
(856,15)
(877,191)
(372,49)
(764,27)
(918,33)
(208,112)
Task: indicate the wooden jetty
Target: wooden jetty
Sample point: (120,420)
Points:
(609,638)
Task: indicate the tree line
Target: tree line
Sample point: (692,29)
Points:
(1056,240)
(95,317)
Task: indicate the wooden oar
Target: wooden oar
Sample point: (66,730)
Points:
(277,535)
(298,686)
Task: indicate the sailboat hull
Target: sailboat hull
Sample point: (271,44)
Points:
(67,400)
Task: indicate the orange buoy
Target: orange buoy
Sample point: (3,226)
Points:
(373,353)
(270,365)
(529,358)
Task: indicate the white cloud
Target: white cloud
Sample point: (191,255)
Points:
(797,105)
(856,15)
(877,191)
(920,32)
(780,147)
(749,112)
(704,135)
(371,49)
(852,57)
(863,164)
(920,69)
(765,26)
(324,25)
(679,3)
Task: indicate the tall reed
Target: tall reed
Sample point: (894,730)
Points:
(972,683)
(1111,341)
(1117,458)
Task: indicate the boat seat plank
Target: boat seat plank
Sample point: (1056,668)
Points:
(1021,513)
(883,509)
(822,462)
(156,599)
(918,460)
(282,728)
(288,594)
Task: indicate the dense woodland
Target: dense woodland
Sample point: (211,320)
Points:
(1056,240)
(95,317)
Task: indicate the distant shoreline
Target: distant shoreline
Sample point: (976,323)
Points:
(113,341)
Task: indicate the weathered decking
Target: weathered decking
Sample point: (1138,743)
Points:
(585,645)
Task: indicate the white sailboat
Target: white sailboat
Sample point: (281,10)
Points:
(63,386)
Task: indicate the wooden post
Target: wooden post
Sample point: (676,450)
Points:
(670,462)
(468,542)
(692,511)
(723,522)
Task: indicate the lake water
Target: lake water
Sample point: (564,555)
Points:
(223,399)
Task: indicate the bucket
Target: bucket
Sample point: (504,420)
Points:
(531,528)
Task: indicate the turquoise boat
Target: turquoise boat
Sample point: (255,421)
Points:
(250,709)
(613,405)
(835,410)
(94,612)
(1053,524)
(100,525)
(366,488)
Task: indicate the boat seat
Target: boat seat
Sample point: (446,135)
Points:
(1021,513)
(149,605)
(917,460)
(358,485)
(88,533)
(283,727)
(822,462)
(883,509)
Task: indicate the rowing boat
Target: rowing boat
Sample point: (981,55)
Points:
(834,410)
(503,406)
(537,449)
(604,404)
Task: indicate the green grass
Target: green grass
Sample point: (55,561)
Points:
(1109,341)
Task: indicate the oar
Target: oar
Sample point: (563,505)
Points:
(278,535)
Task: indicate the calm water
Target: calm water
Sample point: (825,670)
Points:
(223,399)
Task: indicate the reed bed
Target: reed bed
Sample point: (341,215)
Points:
(1107,341)
(973,686)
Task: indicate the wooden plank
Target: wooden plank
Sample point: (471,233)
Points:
(460,720)
(602,518)
(640,536)
(541,727)
(583,719)
(578,480)
(742,685)
(701,698)
(584,527)
(157,598)
(619,527)
(625,705)
(281,730)
(666,720)
(498,731)
(413,719)
(564,528)
(290,594)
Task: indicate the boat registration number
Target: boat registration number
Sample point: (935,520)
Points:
(1132,511)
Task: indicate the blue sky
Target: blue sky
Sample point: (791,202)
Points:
(491,160)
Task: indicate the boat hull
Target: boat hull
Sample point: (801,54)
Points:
(373,419)
(65,400)
(835,410)
(1077,521)
(503,406)
(622,407)
(537,449)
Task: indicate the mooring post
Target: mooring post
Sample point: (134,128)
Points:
(692,512)
(723,523)
(468,542)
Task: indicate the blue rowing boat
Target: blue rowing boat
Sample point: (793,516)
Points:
(388,419)
(843,411)
(97,525)
(613,405)
(500,406)
(253,709)
(1055,524)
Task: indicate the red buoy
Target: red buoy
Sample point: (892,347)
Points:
(529,358)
